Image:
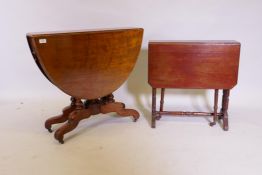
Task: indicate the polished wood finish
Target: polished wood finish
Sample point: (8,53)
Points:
(87,65)
(82,111)
(63,117)
(102,59)
(193,65)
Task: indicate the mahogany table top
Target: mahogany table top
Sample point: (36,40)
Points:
(193,64)
(87,64)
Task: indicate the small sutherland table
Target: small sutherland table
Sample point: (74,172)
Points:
(193,65)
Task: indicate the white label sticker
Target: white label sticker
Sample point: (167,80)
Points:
(42,40)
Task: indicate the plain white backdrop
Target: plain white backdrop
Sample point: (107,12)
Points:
(21,81)
(167,19)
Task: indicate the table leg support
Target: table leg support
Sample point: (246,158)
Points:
(61,118)
(215,117)
(79,111)
(153,121)
(72,122)
(224,110)
(161,103)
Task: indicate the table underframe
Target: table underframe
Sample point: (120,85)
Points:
(222,115)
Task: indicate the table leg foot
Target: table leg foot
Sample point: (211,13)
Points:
(158,117)
(225,122)
(74,119)
(120,109)
(212,123)
(60,118)
(153,122)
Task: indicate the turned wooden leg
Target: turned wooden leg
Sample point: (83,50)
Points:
(72,122)
(60,118)
(161,103)
(224,109)
(223,104)
(153,122)
(215,108)
(119,108)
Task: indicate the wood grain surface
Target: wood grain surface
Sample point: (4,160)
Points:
(87,64)
(193,64)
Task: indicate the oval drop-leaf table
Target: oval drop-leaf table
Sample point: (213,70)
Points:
(89,66)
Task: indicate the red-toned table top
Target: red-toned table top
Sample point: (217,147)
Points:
(193,64)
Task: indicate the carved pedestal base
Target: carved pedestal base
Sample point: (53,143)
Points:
(78,111)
